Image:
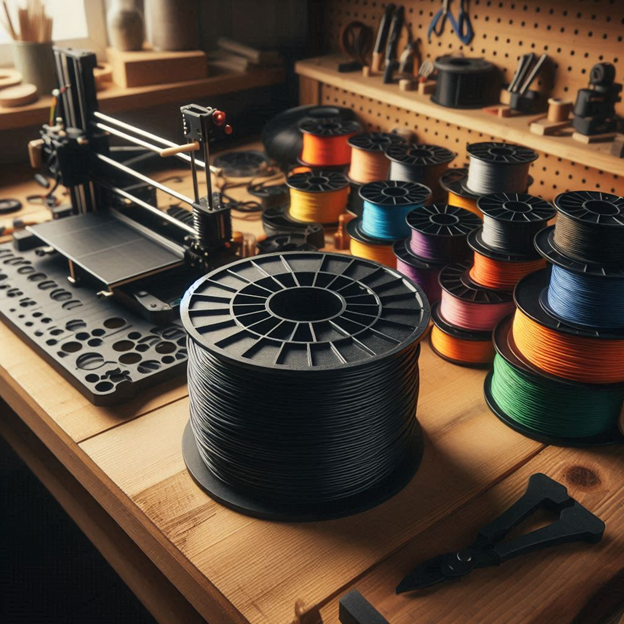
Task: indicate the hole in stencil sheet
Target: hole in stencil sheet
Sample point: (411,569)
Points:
(90,361)
(92,377)
(83,335)
(134,335)
(149,366)
(123,345)
(130,358)
(71,347)
(39,277)
(165,347)
(75,325)
(72,304)
(114,323)
(168,359)
(95,342)
(98,332)
(104,386)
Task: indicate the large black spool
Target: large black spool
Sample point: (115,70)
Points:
(298,330)
(465,82)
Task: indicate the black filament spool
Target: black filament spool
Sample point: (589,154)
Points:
(508,164)
(375,141)
(424,164)
(505,347)
(355,203)
(511,222)
(453,181)
(455,279)
(305,325)
(590,228)
(465,82)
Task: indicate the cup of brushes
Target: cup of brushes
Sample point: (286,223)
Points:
(31,31)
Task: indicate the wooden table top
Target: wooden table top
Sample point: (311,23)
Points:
(232,568)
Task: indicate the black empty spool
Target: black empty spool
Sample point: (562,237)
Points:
(445,229)
(505,347)
(511,221)
(506,163)
(419,163)
(590,227)
(464,82)
(356,324)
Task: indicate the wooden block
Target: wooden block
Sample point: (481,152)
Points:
(617,150)
(593,138)
(505,96)
(544,127)
(103,75)
(500,111)
(148,67)
(426,88)
(19,95)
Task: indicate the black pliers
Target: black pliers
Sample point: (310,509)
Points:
(575,523)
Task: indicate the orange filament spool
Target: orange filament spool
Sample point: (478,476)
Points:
(502,274)
(589,356)
(451,181)
(364,246)
(459,346)
(326,142)
(318,196)
(368,158)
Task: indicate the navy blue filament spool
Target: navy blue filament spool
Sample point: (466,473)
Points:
(386,206)
(587,300)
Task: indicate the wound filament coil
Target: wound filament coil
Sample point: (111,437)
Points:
(295,357)
(458,346)
(453,182)
(590,227)
(588,356)
(387,204)
(511,221)
(425,274)
(498,168)
(545,407)
(363,246)
(368,161)
(424,164)
(439,232)
(596,302)
(326,141)
(318,196)
(468,305)
(501,274)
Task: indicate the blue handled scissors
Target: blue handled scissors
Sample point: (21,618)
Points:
(462,26)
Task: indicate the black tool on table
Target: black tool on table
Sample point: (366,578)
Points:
(355,609)
(396,27)
(382,37)
(575,523)
(8,206)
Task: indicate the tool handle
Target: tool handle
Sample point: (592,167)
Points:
(437,24)
(542,491)
(463,27)
(384,28)
(575,524)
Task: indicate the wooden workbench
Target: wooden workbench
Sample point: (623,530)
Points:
(119,473)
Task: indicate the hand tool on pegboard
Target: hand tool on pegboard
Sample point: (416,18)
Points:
(462,25)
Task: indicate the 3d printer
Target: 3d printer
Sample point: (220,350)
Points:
(96,292)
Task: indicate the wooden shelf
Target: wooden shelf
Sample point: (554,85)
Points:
(512,129)
(115,99)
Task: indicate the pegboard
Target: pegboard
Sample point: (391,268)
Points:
(575,34)
(552,175)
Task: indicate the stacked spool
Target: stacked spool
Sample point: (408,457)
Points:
(464,319)
(438,237)
(386,205)
(368,163)
(326,142)
(318,196)
(493,168)
(503,247)
(424,164)
(559,370)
